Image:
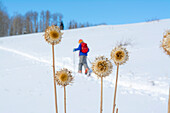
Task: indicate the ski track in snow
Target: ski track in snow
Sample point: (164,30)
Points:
(24,55)
(132,86)
(29,56)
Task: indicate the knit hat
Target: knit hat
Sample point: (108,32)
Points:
(80,41)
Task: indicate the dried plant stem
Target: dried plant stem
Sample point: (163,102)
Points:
(117,110)
(101,101)
(169,102)
(64,99)
(55,90)
(114,105)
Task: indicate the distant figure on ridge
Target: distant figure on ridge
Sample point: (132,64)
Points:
(61,26)
(83,51)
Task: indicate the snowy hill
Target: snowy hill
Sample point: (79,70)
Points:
(26,82)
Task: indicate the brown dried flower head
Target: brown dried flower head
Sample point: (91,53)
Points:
(119,55)
(64,77)
(102,67)
(166,43)
(53,35)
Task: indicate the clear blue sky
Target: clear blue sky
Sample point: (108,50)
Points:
(95,11)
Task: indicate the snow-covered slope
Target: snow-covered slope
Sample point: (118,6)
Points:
(26,82)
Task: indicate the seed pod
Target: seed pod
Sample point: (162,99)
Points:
(102,67)
(64,77)
(53,35)
(119,55)
(166,43)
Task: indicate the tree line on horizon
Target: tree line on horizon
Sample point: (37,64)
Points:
(32,22)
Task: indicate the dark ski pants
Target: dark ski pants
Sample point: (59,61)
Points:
(82,62)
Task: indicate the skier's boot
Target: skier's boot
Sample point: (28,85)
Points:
(89,72)
(86,71)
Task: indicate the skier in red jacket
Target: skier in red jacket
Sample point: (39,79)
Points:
(83,53)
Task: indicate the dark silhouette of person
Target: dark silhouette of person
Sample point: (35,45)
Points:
(61,25)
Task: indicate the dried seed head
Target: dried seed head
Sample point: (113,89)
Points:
(102,67)
(167,33)
(166,43)
(64,77)
(53,34)
(119,55)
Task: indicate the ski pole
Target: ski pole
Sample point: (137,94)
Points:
(89,60)
(74,62)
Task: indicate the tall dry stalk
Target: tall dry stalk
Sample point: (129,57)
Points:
(64,78)
(64,99)
(114,102)
(53,36)
(101,99)
(119,55)
(55,90)
(102,67)
(169,102)
(117,110)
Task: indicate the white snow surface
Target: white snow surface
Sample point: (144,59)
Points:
(26,78)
